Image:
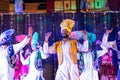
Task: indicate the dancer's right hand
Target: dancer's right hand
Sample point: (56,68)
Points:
(47,36)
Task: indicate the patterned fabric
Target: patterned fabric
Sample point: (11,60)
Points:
(78,36)
(81,62)
(6,36)
(95,61)
(11,57)
(39,62)
(107,69)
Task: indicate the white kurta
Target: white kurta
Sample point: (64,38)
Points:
(33,73)
(6,72)
(5,69)
(89,73)
(67,70)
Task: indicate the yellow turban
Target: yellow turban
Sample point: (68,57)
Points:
(67,24)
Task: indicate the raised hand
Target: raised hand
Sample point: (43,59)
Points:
(109,31)
(47,36)
(30,31)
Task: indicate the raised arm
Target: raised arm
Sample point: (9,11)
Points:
(46,47)
(44,56)
(105,44)
(17,47)
(102,52)
(110,44)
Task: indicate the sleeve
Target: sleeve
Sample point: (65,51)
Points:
(105,42)
(43,55)
(19,46)
(24,61)
(49,49)
(102,52)
(104,45)
(83,47)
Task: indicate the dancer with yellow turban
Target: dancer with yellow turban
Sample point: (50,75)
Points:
(66,50)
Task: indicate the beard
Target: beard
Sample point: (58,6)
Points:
(66,36)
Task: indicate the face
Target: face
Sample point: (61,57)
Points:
(64,33)
(108,31)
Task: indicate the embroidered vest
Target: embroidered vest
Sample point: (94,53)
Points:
(73,51)
(11,57)
(38,61)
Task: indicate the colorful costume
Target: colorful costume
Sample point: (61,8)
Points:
(107,70)
(17,67)
(36,62)
(7,54)
(115,45)
(24,68)
(67,54)
(88,63)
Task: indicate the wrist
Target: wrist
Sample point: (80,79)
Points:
(46,41)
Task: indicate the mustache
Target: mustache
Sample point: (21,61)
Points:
(66,36)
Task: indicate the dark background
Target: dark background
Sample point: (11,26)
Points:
(30,1)
(34,1)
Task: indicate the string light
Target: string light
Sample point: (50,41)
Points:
(28,16)
(105,19)
(117,19)
(62,15)
(73,15)
(1,21)
(94,17)
(11,21)
(41,25)
(84,19)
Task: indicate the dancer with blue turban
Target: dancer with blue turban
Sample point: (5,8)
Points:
(36,60)
(7,54)
(88,61)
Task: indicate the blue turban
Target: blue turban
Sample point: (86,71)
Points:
(5,37)
(35,39)
(91,38)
